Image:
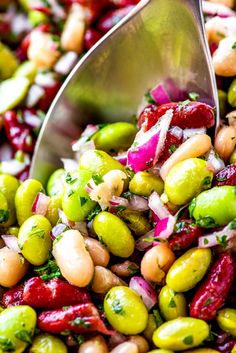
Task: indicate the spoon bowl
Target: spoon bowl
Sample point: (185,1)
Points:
(159,40)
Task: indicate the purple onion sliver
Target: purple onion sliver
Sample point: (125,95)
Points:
(57,230)
(11,242)
(145,290)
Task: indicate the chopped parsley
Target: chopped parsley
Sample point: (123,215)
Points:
(173,148)
(4,215)
(79,321)
(193,96)
(206,222)
(233,224)
(70,192)
(24,336)
(222,240)
(133,268)
(6,345)
(98,179)
(83,201)
(221,178)
(149,98)
(117,307)
(207,302)
(69,179)
(40,233)
(94,212)
(157,317)
(188,340)
(80,339)
(234,46)
(206,182)
(172,303)
(206,241)
(48,271)
(184,103)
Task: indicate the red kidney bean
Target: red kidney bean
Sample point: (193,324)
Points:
(190,115)
(225,342)
(112,17)
(80,319)
(186,234)
(18,133)
(212,293)
(53,294)
(50,93)
(226,176)
(91,37)
(172,142)
(13,296)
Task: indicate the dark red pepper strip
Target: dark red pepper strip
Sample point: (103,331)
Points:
(78,319)
(213,292)
(186,234)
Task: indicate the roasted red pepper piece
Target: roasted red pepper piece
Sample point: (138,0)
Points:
(18,133)
(186,234)
(13,296)
(111,18)
(53,294)
(187,116)
(213,292)
(226,176)
(79,319)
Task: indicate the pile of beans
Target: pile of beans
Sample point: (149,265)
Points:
(131,248)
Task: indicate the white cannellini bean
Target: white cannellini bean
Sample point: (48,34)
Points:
(73,259)
(224,58)
(13,267)
(218,28)
(126,347)
(72,36)
(43,51)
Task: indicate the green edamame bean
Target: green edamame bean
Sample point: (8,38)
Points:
(99,162)
(222,97)
(188,269)
(25,197)
(180,334)
(27,69)
(226,319)
(214,207)
(8,187)
(234,349)
(7,57)
(114,233)
(161,351)
(17,325)
(55,183)
(232,94)
(172,305)
(186,180)
(114,137)
(75,200)
(12,92)
(34,239)
(52,212)
(45,343)
(4,213)
(150,328)
(137,222)
(232,159)
(37,18)
(144,183)
(125,310)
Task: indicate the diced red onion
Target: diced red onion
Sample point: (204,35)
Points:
(145,290)
(57,230)
(32,120)
(215,238)
(214,9)
(12,167)
(148,145)
(34,94)
(66,63)
(176,131)
(90,130)
(45,79)
(142,243)
(187,133)
(11,242)
(40,205)
(119,201)
(138,203)
(160,95)
(69,164)
(87,146)
(122,158)
(165,227)
(6,152)
(156,205)
(174,91)
(64,219)
(214,161)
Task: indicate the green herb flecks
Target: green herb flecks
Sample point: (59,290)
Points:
(188,340)
(234,46)
(94,212)
(69,179)
(4,216)
(172,303)
(48,271)
(98,179)
(194,96)
(6,345)
(117,307)
(184,103)
(158,318)
(24,336)
(79,321)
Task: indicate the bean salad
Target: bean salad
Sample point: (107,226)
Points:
(130,247)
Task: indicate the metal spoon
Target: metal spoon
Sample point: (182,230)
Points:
(158,40)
